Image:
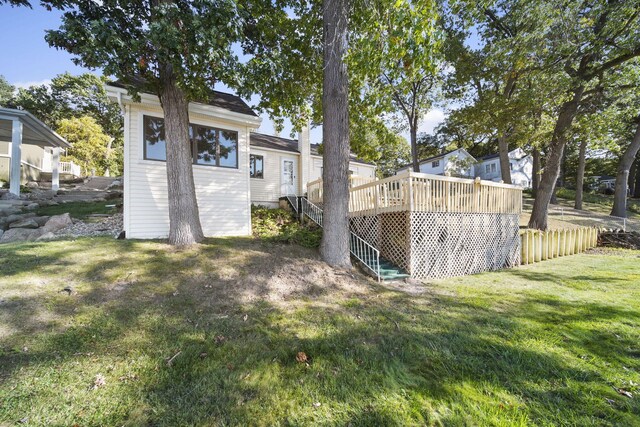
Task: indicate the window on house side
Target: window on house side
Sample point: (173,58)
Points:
(435,163)
(487,168)
(493,167)
(256,166)
(209,146)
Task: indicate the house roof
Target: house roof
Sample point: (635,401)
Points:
(489,157)
(218,99)
(34,131)
(273,142)
(291,145)
(315,151)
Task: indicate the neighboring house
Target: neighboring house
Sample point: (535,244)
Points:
(452,163)
(29,149)
(233,167)
(521,164)
(606,182)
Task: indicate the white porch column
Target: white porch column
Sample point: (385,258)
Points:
(16,157)
(55,169)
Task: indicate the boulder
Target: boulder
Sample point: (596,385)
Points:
(57,222)
(32,184)
(20,235)
(113,195)
(9,196)
(46,236)
(1,233)
(3,223)
(41,220)
(32,206)
(24,223)
(19,217)
(11,210)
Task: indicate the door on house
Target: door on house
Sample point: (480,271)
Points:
(288,180)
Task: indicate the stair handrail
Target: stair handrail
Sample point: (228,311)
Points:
(362,250)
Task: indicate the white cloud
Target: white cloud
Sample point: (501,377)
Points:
(32,83)
(431,120)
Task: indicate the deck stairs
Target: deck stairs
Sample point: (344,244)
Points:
(365,253)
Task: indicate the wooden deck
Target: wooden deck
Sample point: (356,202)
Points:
(418,192)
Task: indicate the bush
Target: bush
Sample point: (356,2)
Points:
(279,225)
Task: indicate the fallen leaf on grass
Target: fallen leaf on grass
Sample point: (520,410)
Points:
(100,381)
(302,357)
(624,392)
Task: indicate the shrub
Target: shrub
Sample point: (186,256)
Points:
(279,225)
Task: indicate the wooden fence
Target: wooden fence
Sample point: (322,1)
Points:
(543,245)
(418,192)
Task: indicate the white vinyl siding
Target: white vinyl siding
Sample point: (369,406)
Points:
(222,193)
(267,191)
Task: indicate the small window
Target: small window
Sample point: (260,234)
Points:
(511,166)
(487,168)
(256,166)
(435,164)
(155,147)
(493,167)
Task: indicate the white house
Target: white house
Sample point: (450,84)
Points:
(521,164)
(233,166)
(453,163)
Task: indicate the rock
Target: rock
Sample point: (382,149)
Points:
(115,183)
(46,236)
(113,195)
(41,220)
(1,233)
(18,217)
(57,222)
(10,211)
(24,223)
(9,196)
(20,234)
(32,206)
(32,185)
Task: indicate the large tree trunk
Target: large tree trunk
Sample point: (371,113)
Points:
(413,134)
(540,212)
(580,175)
(620,197)
(505,164)
(335,239)
(184,218)
(535,176)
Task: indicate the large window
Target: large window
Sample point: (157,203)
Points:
(256,166)
(209,146)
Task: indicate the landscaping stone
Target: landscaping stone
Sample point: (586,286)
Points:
(32,185)
(20,234)
(1,233)
(24,223)
(57,222)
(41,220)
(19,217)
(32,206)
(9,196)
(46,236)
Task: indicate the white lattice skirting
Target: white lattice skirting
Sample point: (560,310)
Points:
(441,244)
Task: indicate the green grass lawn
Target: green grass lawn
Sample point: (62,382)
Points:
(80,210)
(555,343)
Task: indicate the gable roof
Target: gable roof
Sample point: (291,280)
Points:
(436,157)
(287,144)
(218,99)
(315,151)
(273,142)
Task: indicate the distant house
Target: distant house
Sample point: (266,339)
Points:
(30,150)
(233,166)
(606,182)
(453,163)
(521,164)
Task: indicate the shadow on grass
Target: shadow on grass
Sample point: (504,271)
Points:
(377,357)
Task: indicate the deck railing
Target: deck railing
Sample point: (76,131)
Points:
(314,188)
(413,191)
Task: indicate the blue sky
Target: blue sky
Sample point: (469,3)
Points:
(29,60)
